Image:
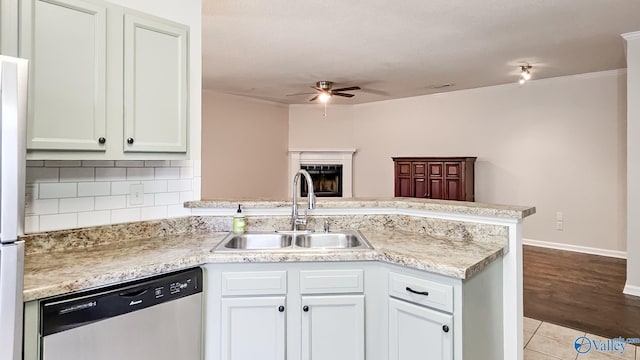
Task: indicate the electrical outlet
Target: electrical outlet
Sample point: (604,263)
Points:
(136,194)
(559,225)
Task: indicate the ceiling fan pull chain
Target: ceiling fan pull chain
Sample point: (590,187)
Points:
(325,109)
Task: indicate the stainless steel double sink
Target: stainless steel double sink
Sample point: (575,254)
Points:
(290,240)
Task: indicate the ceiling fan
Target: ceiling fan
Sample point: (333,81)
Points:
(325,92)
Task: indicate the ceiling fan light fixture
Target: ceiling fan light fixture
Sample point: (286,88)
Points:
(525,73)
(324,97)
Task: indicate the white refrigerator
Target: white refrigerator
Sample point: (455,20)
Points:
(13,119)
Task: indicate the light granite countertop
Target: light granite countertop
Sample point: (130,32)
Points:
(439,206)
(58,272)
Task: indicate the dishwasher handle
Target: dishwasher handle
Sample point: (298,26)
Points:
(134,293)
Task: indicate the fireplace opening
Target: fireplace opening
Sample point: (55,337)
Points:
(327,180)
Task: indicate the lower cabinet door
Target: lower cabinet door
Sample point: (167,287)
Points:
(333,327)
(253,328)
(419,333)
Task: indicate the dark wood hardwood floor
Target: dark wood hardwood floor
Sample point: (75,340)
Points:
(579,291)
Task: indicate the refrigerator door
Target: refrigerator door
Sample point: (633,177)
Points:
(13,120)
(11,281)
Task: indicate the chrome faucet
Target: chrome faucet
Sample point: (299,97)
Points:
(296,219)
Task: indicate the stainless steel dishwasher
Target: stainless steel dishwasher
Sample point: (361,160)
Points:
(157,318)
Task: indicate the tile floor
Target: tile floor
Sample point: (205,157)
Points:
(546,341)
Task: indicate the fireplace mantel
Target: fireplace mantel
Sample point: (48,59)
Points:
(342,157)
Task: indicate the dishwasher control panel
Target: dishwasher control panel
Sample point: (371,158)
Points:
(70,311)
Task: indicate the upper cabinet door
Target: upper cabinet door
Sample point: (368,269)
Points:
(155,85)
(66,43)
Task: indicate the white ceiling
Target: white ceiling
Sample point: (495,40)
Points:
(393,49)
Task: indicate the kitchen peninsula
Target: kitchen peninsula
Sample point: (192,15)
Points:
(467,255)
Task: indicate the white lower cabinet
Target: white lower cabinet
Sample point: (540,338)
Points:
(351,311)
(333,327)
(278,312)
(253,328)
(417,332)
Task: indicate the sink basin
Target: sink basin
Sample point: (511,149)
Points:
(255,241)
(332,240)
(265,241)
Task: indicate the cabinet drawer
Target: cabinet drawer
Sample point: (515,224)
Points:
(254,283)
(421,291)
(331,281)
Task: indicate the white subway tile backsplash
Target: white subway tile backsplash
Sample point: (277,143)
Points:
(31,224)
(125,215)
(177,211)
(97,163)
(94,218)
(140,174)
(76,174)
(157,163)
(122,187)
(94,188)
(179,185)
(197,168)
(58,222)
(42,207)
(62,163)
(129,163)
(41,174)
(76,204)
(196,188)
(111,202)
(152,213)
(57,190)
(111,174)
(181,163)
(186,173)
(167,198)
(69,194)
(155,186)
(186,196)
(167,173)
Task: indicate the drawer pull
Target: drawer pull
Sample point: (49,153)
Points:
(305,308)
(425,293)
(445,328)
(281,308)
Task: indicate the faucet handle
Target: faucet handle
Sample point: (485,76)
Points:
(326,225)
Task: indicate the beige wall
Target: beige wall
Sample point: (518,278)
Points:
(558,144)
(244,147)
(633,164)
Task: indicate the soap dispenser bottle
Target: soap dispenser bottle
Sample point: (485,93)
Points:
(239,221)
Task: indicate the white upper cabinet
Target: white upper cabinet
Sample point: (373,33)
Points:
(67,48)
(155,85)
(106,82)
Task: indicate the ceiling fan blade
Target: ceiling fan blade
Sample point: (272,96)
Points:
(343,95)
(313,98)
(347,88)
(316,88)
(304,93)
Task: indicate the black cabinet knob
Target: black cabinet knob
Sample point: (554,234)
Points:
(281,308)
(129,141)
(305,308)
(102,140)
(445,328)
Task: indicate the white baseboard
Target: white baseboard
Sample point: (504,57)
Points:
(631,290)
(576,248)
